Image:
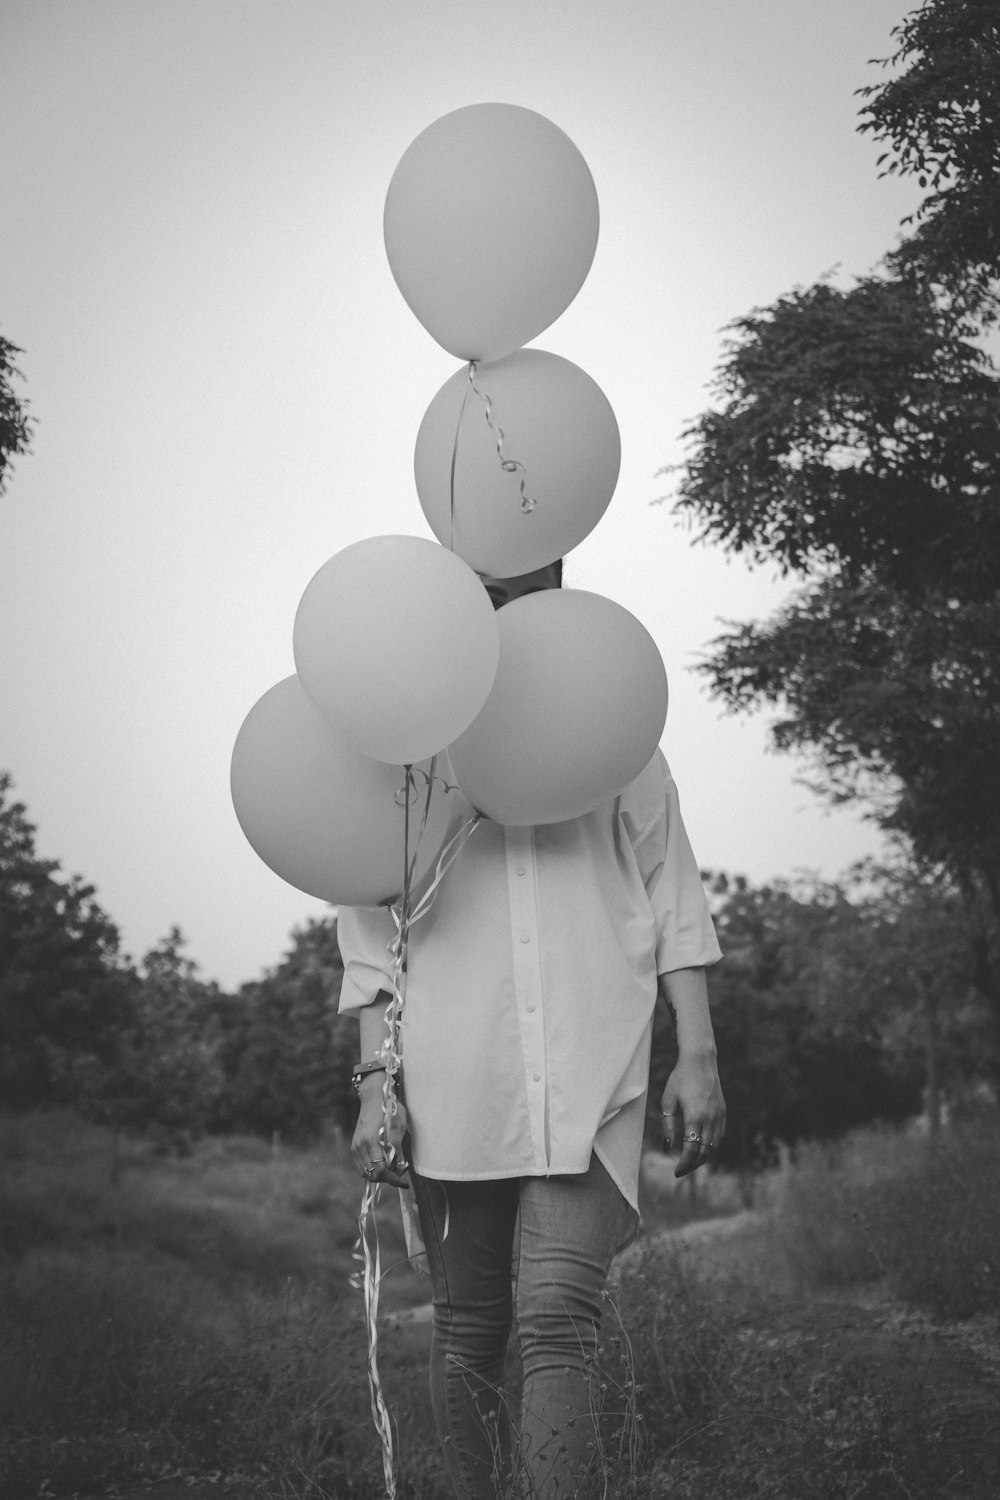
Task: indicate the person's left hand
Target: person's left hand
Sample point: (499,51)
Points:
(694,1112)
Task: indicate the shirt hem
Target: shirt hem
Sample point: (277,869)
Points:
(494,1175)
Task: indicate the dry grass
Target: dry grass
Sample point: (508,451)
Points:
(891,1207)
(196,1318)
(197,1321)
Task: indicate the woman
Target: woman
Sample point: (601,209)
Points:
(525,1041)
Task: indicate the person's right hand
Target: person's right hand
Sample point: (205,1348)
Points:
(369,1146)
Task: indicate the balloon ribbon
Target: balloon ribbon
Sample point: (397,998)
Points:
(508,465)
(366,1249)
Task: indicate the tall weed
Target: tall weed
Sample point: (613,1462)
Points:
(196,1320)
(923,1218)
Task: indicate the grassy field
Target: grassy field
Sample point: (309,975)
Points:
(192,1331)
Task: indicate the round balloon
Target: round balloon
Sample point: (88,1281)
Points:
(560,443)
(328,820)
(576,711)
(396,642)
(490,224)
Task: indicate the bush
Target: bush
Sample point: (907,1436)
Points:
(891,1207)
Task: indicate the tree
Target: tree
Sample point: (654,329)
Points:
(856,443)
(897,703)
(802,1054)
(940,118)
(287,1055)
(15,422)
(64,989)
(858,434)
(907,962)
(170,1074)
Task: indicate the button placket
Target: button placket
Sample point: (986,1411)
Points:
(521,872)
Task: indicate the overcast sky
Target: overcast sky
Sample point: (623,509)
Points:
(228,384)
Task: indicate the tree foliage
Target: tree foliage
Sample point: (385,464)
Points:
(855,442)
(285,1052)
(792,1066)
(858,431)
(813,1007)
(839,1003)
(16,423)
(897,701)
(154,1047)
(64,990)
(939,116)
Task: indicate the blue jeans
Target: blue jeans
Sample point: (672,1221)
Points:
(566,1230)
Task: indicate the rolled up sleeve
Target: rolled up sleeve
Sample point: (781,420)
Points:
(651,816)
(365,935)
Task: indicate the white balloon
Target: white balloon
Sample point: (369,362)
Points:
(490,224)
(559,429)
(329,821)
(575,713)
(396,642)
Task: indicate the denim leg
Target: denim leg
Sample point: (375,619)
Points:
(468,1228)
(570,1228)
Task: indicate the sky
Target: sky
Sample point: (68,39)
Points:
(228,384)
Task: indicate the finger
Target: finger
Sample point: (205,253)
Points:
(714,1133)
(369,1157)
(385,1164)
(396,1167)
(384,1178)
(370,1142)
(692,1150)
(673,1124)
(393,1179)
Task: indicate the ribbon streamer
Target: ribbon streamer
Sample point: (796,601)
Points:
(508,465)
(366,1248)
(454,461)
(371,1276)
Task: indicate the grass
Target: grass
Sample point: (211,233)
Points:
(886,1207)
(197,1321)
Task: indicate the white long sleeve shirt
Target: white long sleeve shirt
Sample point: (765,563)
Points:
(531,983)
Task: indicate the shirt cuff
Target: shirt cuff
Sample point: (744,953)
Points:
(667,960)
(360,987)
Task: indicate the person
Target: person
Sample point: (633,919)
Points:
(525,1044)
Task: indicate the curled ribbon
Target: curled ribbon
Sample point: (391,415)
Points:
(509,465)
(366,1249)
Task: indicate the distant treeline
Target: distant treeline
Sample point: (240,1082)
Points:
(836,1004)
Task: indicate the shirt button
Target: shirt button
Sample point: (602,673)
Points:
(531,1005)
(522,869)
(537,1077)
(525,937)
